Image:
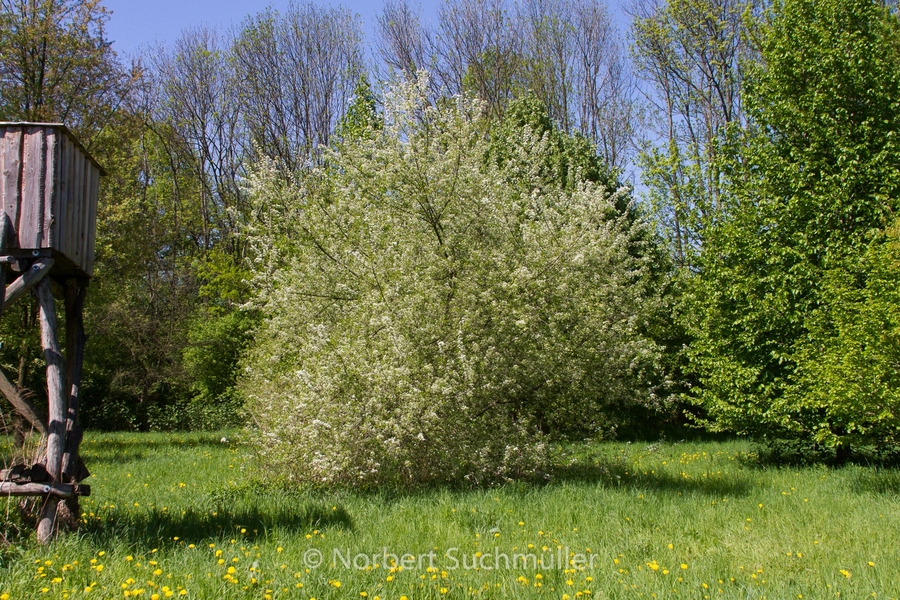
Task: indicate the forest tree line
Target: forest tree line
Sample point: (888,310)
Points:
(750,285)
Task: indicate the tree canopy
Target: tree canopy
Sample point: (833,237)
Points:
(813,187)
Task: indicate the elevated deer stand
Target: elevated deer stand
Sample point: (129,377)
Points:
(48,194)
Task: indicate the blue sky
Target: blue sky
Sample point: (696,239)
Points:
(135,23)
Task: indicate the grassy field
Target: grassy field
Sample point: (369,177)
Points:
(184,515)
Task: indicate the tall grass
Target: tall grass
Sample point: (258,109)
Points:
(187,515)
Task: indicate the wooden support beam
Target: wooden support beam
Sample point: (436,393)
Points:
(56,490)
(56,417)
(27,280)
(15,263)
(4,228)
(22,405)
(72,468)
(2,283)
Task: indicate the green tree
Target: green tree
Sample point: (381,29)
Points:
(847,365)
(569,160)
(816,185)
(56,64)
(144,288)
(362,116)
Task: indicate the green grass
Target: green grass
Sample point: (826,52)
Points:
(689,520)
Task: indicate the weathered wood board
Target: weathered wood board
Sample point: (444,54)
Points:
(48,192)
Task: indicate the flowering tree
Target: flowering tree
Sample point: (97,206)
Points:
(431,313)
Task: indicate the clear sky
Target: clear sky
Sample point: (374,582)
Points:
(135,23)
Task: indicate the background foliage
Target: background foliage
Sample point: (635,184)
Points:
(762,299)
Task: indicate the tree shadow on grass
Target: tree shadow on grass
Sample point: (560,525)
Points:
(247,513)
(132,448)
(612,475)
(877,481)
(608,474)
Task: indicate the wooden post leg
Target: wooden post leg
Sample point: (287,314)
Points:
(4,227)
(56,437)
(2,289)
(73,469)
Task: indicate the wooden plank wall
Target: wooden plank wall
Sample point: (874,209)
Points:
(49,189)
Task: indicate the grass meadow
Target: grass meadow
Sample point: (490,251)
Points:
(185,515)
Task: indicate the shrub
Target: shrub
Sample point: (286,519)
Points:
(431,315)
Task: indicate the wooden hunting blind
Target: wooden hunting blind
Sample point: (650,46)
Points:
(48,192)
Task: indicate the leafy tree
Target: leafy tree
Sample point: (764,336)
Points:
(362,115)
(143,290)
(847,365)
(430,314)
(818,181)
(569,159)
(56,64)
(162,306)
